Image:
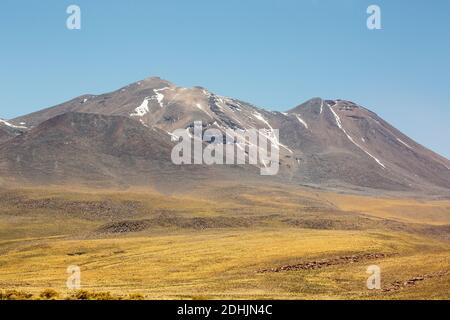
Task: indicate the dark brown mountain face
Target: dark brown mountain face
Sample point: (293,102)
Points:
(76,146)
(5,135)
(124,137)
(353,145)
(97,150)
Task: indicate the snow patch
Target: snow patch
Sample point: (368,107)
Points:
(6,123)
(404,143)
(259,116)
(206,93)
(301,121)
(339,124)
(205,110)
(160,96)
(269,133)
(173,137)
(338,120)
(142,110)
(143,123)
(189,133)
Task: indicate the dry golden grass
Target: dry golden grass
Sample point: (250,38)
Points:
(37,246)
(408,210)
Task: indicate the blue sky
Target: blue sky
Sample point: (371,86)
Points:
(275,54)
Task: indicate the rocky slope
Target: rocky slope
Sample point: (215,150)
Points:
(125,137)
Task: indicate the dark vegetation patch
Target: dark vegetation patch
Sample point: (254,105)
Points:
(15,295)
(168,221)
(76,253)
(398,285)
(319,264)
(50,294)
(125,226)
(86,209)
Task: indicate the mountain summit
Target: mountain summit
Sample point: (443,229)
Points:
(124,137)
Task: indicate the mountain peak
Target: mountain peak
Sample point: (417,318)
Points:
(314,103)
(153,82)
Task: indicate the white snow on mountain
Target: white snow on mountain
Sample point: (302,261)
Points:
(160,96)
(404,143)
(301,121)
(6,123)
(142,110)
(339,124)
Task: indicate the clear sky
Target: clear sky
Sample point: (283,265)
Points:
(275,54)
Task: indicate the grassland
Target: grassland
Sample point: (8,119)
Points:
(213,243)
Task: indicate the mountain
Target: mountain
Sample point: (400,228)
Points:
(124,137)
(94,149)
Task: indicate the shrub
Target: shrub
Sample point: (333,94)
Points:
(135,296)
(15,295)
(81,295)
(48,294)
(86,295)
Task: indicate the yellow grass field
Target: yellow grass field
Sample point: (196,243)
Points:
(195,247)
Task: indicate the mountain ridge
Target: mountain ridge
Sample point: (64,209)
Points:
(321,142)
